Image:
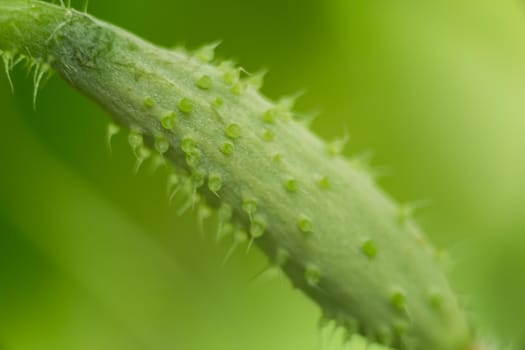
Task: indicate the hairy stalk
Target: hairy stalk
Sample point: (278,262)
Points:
(317,215)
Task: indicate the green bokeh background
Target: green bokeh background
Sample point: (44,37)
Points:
(93,257)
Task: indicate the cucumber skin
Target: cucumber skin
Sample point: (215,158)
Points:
(317,215)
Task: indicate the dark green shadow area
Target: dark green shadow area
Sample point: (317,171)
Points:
(25,273)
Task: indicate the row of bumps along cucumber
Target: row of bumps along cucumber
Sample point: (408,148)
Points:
(316,214)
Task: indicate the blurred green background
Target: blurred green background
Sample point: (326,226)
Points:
(93,257)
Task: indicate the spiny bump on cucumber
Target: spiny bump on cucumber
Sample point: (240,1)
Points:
(204,82)
(135,140)
(186,105)
(8,59)
(149,102)
(207,52)
(369,248)
(40,68)
(204,212)
(169,121)
(233,131)
(225,216)
(336,147)
(398,300)
(112,130)
(227,148)
(230,73)
(270,116)
(218,102)
(304,223)
(162,144)
(291,185)
(338,237)
(281,257)
(238,88)
(324,182)
(141,154)
(188,144)
(268,135)
(215,182)
(258,226)
(239,237)
(436,299)
(312,275)
(249,205)
(257,80)
(173,183)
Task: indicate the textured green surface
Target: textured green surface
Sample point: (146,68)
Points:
(434,88)
(346,244)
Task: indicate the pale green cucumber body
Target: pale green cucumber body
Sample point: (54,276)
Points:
(319,216)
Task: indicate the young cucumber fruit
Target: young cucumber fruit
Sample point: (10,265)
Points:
(318,216)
